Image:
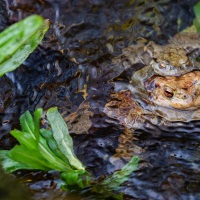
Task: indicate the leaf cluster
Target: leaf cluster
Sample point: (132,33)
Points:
(52,149)
(42,149)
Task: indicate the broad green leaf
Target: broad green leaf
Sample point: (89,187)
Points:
(24,138)
(62,137)
(19,40)
(48,135)
(27,124)
(29,158)
(55,163)
(9,165)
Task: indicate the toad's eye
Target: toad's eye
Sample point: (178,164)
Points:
(162,65)
(168,92)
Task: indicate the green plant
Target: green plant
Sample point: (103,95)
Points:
(52,149)
(19,40)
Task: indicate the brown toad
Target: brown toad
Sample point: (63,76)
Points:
(168,83)
(181,92)
(174,59)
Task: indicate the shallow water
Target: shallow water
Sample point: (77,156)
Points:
(91,33)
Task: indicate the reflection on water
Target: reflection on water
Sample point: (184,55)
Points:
(76,69)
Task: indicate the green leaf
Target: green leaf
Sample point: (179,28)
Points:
(62,137)
(24,139)
(37,116)
(28,158)
(55,163)
(48,135)
(19,40)
(9,165)
(113,182)
(119,177)
(27,124)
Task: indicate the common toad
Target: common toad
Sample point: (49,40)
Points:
(180,56)
(168,83)
(181,92)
